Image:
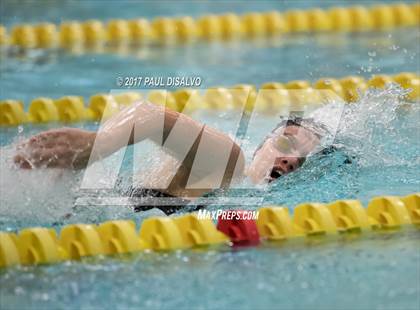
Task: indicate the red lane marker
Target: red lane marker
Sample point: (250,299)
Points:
(241,231)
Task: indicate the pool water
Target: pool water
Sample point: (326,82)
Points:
(380,133)
(352,274)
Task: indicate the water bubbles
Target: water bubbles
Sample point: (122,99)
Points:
(372,53)
(40,296)
(74,288)
(391,294)
(19,290)
(25,200)
(366,69)
(20,129)
(304,285)
(135,298)
(392,263)
(411,291)
(369,127)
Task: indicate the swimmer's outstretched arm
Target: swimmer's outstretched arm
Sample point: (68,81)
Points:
(145,120)
(72,148)
(58,148)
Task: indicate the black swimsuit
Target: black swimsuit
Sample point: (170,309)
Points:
(171,205)
(143,198)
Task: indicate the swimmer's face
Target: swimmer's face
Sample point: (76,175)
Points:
(282,153)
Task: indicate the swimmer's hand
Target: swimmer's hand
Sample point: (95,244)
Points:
(59,148)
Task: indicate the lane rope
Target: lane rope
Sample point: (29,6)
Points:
(38,245)
(226,26)
(271,97)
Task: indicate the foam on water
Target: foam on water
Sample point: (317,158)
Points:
(377,154)
(47,197)
(41,196)
(382,128)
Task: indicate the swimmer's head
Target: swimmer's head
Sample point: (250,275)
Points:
(285,149)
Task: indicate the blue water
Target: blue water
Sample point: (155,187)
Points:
(380,133)
(358,274)
(26,76)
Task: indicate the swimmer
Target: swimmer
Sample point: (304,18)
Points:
(282,152)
